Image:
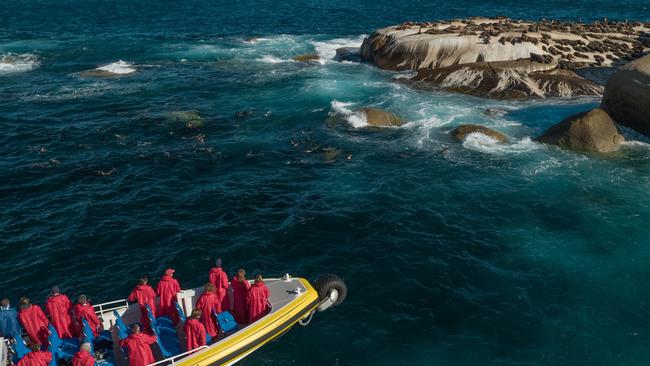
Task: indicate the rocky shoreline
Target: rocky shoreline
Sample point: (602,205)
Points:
(508,59)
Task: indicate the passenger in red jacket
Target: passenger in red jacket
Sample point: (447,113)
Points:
(194,331)
(83,309)
(167,289)
(208,303)
(144,294)
(58,307)
(240,288)
(257,299)
(36,358)
(34,321)
(138,347)
(219,279)
(83,357)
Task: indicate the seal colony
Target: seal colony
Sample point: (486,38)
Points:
(508,59)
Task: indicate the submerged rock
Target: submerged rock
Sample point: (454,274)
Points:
(461,132)
(306,57)
(627,96)
(331,154)
(380,118)
(189,119)
(243,114)
(350,54)
(494,112)
(592,131)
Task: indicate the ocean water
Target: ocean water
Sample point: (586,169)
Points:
(454,253)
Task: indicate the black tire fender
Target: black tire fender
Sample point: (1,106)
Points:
(328,283)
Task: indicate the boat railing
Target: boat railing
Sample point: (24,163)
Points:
(176,358)
(108,307)
(3,352)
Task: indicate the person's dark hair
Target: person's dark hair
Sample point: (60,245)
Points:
(196,314)
(143,280)
(82,299)
(5,302)
(209,287)
(258,278)
(135,328)
(24,301)
(241,274)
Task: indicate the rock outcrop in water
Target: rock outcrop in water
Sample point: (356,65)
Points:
(592,131)
(627,96)
(350,54)
(461,132)
(379,118)
(306,57)
(504,58)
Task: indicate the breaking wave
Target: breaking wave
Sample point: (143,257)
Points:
(270,59)
(327,49)
(482,143)
(120,68)
(11,63)
(355,119)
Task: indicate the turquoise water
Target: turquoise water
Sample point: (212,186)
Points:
(454,254)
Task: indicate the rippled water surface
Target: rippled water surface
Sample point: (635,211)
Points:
(454,254)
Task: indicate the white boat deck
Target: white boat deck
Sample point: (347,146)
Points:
(282,292)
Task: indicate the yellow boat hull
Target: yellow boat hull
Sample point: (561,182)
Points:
(254,336)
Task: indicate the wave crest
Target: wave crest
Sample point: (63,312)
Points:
(11,63)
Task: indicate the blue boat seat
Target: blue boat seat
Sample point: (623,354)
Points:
(122,331)
(61,349)
(166,336)
(87,334)
(181,313)
(20,349)
(226,321)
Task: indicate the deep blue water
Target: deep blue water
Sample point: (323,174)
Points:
(519,254)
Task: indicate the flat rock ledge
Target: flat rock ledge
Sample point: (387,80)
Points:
(505,58)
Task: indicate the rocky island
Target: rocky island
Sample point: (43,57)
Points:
(508,59)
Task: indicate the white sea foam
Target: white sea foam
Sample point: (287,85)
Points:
(327,49)
(120,68)
(356,119)
(255,40)
(636,144)
(270,59)
(11,63)
(479,142)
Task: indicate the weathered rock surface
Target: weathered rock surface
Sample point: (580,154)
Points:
(627,95)
(462,131)
(380,118)
(592,131)
(350,54)
(494,49)
(306,57)
(506,80)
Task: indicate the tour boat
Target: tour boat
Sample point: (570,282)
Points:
(292,301)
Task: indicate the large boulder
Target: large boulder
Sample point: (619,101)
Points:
(380,118)
(627,95)
(505,58)
(461,132)
(592,131)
